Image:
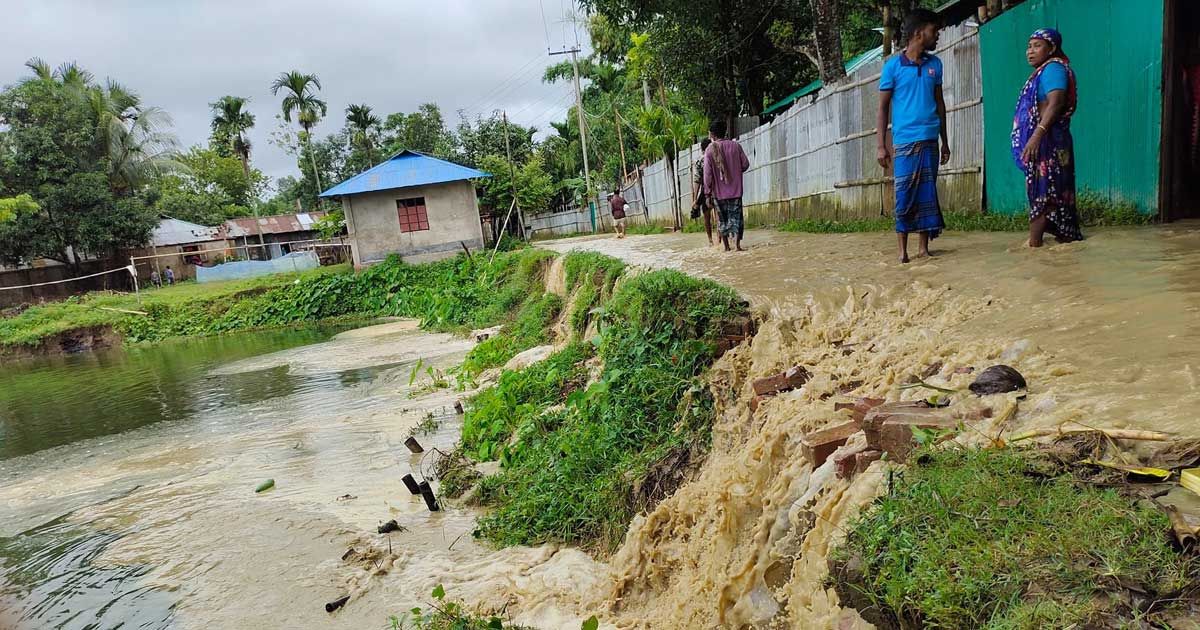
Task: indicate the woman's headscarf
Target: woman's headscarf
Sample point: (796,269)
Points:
(1055,38)
(1027,116)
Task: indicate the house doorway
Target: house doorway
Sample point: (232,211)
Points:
(1180,183)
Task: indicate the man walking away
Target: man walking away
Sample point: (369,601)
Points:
(170,276)
(618,206)
(724,165)
(910,95)
(701,203)
(155,280)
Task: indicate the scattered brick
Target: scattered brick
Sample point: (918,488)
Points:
(845,461)
(889,426)
(784,381)
(859,408)
(819,445)
(864,459)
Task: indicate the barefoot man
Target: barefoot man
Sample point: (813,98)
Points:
(910,96)
(724,164)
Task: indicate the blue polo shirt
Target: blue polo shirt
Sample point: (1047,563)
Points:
(914,111)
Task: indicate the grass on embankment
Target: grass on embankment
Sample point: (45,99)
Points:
(452,294)
(1094,211)
(985,539)
(39,322)
(578,463)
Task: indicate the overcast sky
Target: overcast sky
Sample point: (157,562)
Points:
(393,55)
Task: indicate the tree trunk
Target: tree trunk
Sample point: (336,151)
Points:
(313,159)
(889,30)
(828,39)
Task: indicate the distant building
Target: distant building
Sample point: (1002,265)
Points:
(280,233)
(417,206)
(188,243)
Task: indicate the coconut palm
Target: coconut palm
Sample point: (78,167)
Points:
(140,149)
(363,122)
(230,123)
(301,99)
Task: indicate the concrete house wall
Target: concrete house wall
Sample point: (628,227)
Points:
(373,223)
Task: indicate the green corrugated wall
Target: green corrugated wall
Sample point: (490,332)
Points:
(1116,49)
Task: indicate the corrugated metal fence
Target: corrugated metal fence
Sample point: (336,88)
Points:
(818,159)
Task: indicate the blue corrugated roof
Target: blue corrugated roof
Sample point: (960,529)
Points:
(405,169)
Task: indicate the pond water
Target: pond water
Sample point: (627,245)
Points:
(127,478)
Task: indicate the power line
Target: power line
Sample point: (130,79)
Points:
(503,84)
(514,89)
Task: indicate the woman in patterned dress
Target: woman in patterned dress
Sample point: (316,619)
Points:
(1041,140)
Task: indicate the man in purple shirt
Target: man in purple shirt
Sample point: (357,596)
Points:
(724,164)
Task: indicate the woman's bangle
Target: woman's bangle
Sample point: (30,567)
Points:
(1043,128)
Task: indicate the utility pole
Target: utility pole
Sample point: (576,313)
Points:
(620,140)
(587,176)
(512,177)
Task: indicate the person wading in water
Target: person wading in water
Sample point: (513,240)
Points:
(1041,140)
(910,96)
(724,165)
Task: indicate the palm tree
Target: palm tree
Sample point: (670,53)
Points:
(301,98)
(140,149)
(230,123)
(362,121)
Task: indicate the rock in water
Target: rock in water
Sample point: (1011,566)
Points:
(998,379)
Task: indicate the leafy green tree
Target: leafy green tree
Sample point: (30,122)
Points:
(86,154)
(485,136)
(230,123)
(423,131)
(363,125)
(11,207)
(300,98)
(534,187)
(213,188)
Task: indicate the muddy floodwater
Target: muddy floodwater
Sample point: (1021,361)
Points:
(1118,314)
(127,479)
(127,482)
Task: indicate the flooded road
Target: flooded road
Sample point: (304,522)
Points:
(159,526)
(1117,316)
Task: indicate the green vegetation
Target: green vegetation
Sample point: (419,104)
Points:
(39,322)
(1094,210)
(452,294)
(519,399)
(989,539)
(575,474)
(593,277)
(449,615)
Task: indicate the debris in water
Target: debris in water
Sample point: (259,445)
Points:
(351,552)
(964,370)
(411,484)
(430,499)
(458,407)
(998,379)
(890,427)
(264,486)
(413,445)
(788,380)
(347,497)
(1178,454)
(1135,473)
(1190,479)
(391,526)
(1116,434)
(337,603)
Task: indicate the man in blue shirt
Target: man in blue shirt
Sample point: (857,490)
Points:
(910,97)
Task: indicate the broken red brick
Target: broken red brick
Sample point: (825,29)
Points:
(819,445)
(889,426)
(784,381)
(864,459)
(859,408)
(845,461)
